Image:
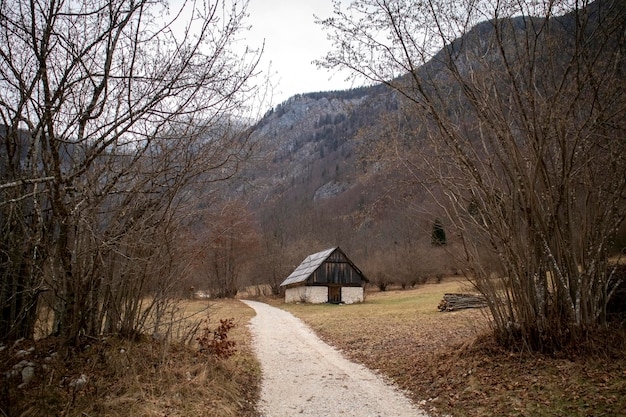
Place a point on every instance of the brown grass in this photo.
(446, 361)
(449, 364)
(137, 378)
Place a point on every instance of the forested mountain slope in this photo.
(341, 167)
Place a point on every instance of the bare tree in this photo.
(274, 263)
(112, 111)
(226, 245)
(518, 137)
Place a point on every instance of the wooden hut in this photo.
(325, 277)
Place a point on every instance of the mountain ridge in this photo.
(319, 173)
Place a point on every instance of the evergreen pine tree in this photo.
(438, 236)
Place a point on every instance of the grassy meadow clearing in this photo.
(448, 363)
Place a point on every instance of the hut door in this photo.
(334, 295)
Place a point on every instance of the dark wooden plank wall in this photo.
(336, 270)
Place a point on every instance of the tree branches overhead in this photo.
(515, 110)
(114, 114)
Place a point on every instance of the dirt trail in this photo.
(304, 376)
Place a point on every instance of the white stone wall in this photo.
(319, 295)
(350, 295)
(314, 295)
(294, 295)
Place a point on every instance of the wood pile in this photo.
(452, 302)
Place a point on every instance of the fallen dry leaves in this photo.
(448, 363)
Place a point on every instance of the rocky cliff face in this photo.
(306, 144)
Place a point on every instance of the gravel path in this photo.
(304, 376)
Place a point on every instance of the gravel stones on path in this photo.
(304, 376)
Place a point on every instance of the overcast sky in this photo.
(292, 41)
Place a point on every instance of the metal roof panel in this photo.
(307, 267)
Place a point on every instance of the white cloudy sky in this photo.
(292, 41)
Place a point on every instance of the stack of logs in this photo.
(452, 302)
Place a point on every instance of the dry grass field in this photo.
(137, 378)
(449, 365)
(445, 361)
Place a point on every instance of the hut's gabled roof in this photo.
(307, 267)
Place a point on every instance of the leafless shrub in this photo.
(108, 132)
(511, 121)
